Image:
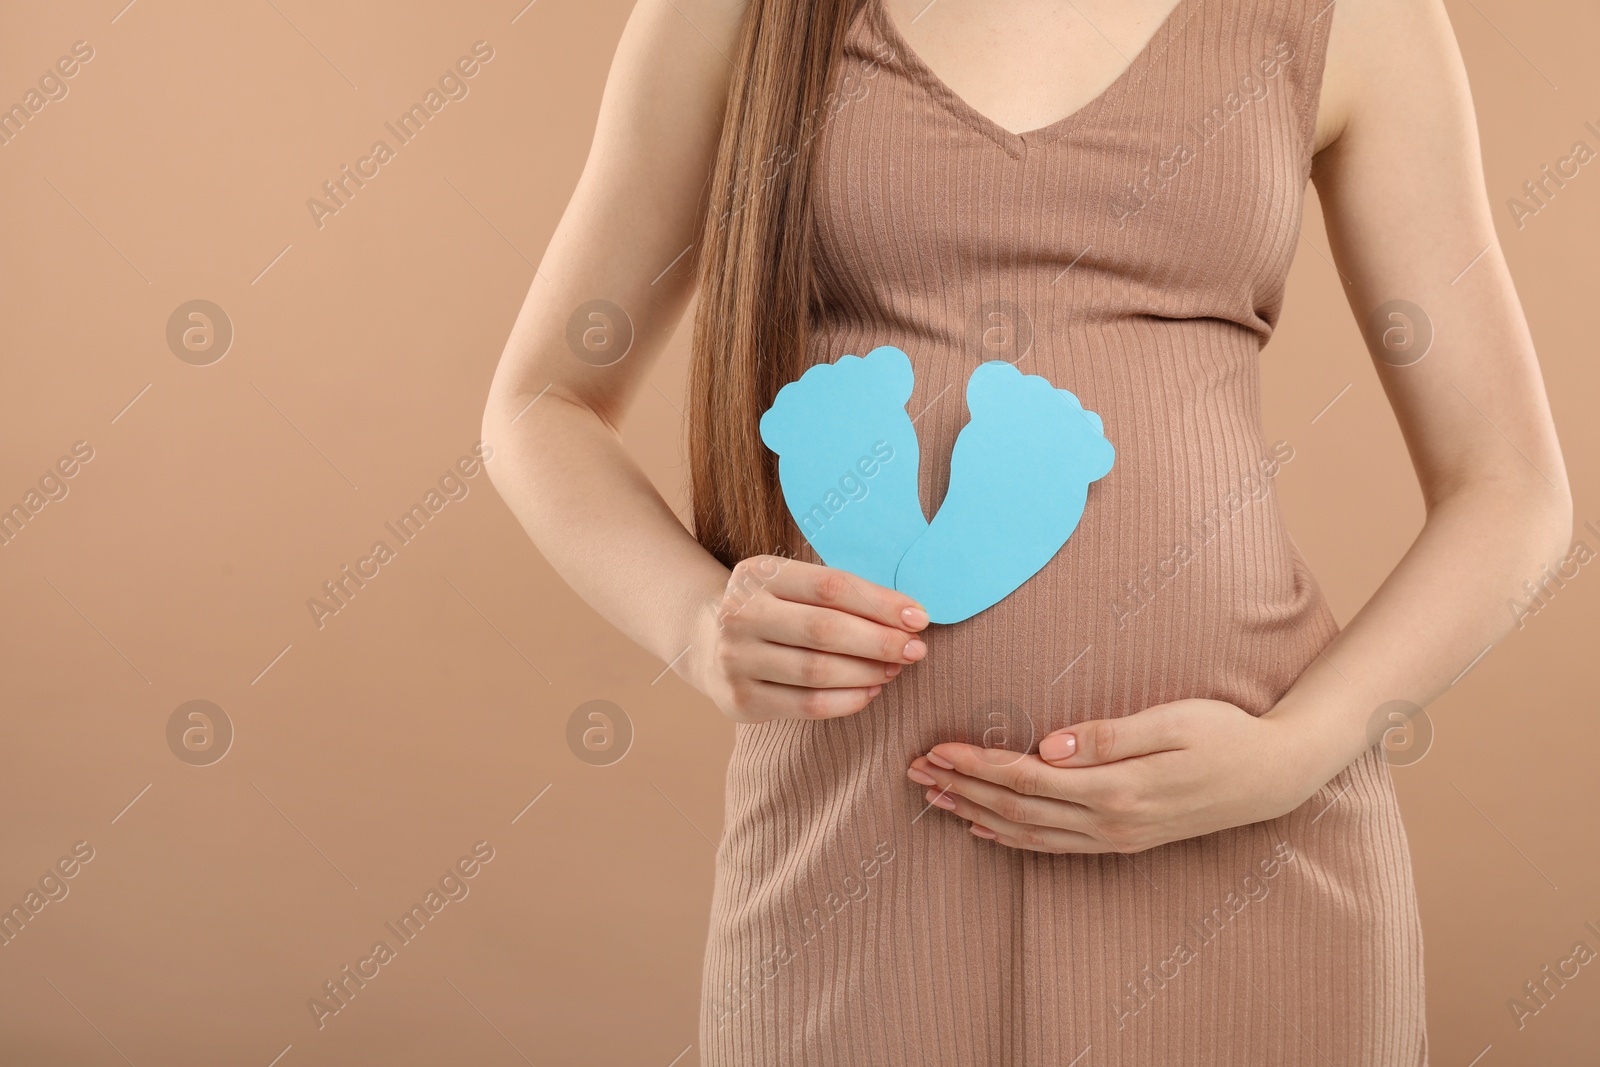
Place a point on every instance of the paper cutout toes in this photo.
(1019, 479)
(847, 461)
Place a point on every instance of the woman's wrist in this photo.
(698, 638)
(1318, 740)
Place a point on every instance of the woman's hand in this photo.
(794, 640)
(1167, 773)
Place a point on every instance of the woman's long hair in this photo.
(756, 285)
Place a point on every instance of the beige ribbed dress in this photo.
(1134, 252)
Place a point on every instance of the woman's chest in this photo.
(1027, 63)
(1191, 163)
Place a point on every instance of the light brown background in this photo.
(429, 713)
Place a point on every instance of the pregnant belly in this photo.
(1180, 581)
(1218, 605)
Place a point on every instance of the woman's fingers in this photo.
(795, 640)
(1019, 809)
(807, 626)
(770, 662)
(829, 587)
(773, 700)
(1043, 804)
(1098, 788)
(1011, 832)
(1107, 740)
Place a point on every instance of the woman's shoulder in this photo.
(1376, 48)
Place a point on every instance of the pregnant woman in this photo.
(1133, 812)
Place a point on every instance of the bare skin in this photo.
(1400, 181)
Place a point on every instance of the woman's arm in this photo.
(553, 418)
(1408, 218)
(787, 638)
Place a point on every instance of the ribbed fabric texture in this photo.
(1135, 253)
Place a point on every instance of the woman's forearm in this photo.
(599, 521)
(1443, 606)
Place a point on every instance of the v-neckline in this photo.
(1016, 144)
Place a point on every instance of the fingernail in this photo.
(874, 691)
(1057, 747)
(915, 618)
(914, 650)
(984, 832)
(921, 777)
(892, 669)
(940, 761)
(940, 800)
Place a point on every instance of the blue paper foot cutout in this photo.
(1019, 479)
(847, 461)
